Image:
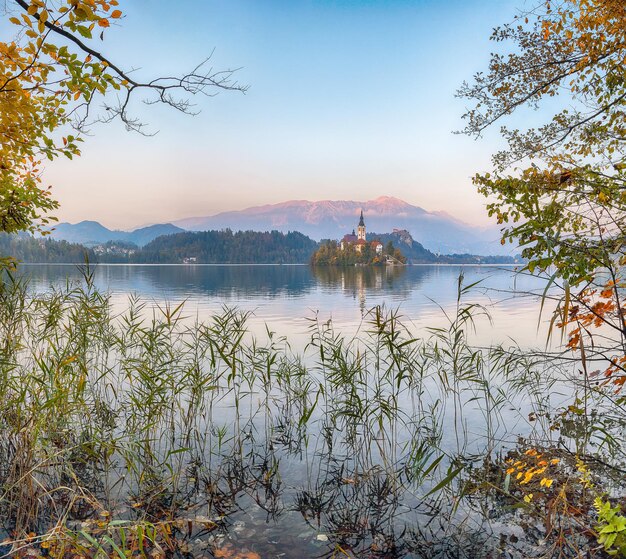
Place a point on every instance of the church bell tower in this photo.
(361, 229)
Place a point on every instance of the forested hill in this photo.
(209, 247)
(416, 253)
(214, 247)
(25, 248)
(227, 247)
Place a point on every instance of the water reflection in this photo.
(284, 296)
(356, 447)
(226, 282)
(249, 282)
(359, 282)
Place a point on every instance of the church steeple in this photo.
(361, 229)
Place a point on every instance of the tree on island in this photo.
(394, 253)
(51, 75)
(330, 253)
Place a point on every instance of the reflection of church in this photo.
(360, 239)
(364, 284)
(358, 281)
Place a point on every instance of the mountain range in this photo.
(437, 231)
(92, 233)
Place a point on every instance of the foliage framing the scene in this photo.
(51, 75)
(559, 187)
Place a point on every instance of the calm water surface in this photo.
(287, 297)
(279, 491)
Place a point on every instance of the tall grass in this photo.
(149, 432)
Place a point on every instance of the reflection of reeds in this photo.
(148, 431)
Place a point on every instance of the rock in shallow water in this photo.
(321, 538)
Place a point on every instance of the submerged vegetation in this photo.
(147, 433)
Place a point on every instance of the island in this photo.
(355, 250)
(235, 247)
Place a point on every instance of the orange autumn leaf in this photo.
(229, 552)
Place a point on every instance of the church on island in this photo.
(360, 239)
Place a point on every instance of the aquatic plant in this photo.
(141, 430)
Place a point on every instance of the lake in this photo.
(284, 297)
(350, 441)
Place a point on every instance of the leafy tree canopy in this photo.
(559, 188)
(51, 74)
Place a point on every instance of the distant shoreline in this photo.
(136, 265)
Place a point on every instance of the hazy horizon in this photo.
(348, 100)
(285, 202)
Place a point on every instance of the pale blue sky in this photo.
(347, 100)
